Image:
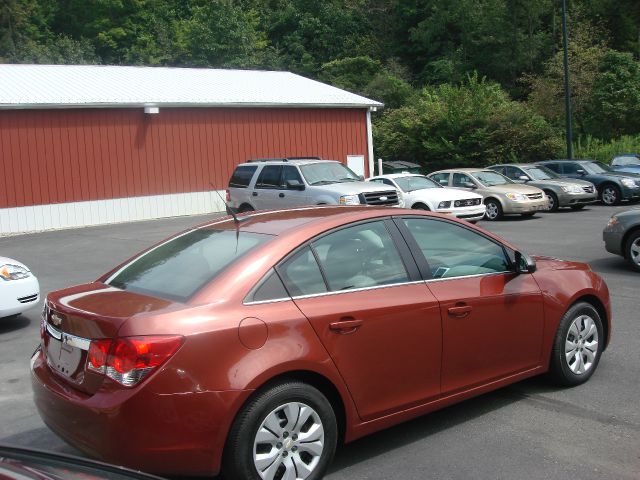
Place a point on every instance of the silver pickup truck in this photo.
(271, 184)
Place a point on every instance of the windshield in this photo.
(626, 160)
(540, 173)
(411, 183)
(178, 268)
(490, 179)
(323, 173)
(595, 167)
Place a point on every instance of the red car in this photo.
(253, 346)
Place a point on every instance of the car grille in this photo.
(379, 198)
(468, 202)
(28, 298)
(534, 196)
(589, 189)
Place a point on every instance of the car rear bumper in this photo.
(146, 428)
(16, 296)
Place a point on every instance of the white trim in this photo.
(370, 144)
(39, 218)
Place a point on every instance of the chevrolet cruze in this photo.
(255, 345)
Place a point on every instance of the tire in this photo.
(581, 330)
(278, 444)
(553, 201)
(610, 194)
(245, 208)
(420, 206)
(632, 250)
(496, 210)
(577, 207)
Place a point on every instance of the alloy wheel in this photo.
(552, 202)
(634, 251)
(492, 211)
(609, 196)
(289, 443)
(581, 344)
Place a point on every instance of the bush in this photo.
(604, 150)
(471, 124)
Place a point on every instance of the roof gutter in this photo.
(42, 106)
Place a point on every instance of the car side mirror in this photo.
(524, 263)
(524, 178)
(470, 185)
(295, 185)
(581, 172)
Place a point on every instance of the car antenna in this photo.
(229, 209)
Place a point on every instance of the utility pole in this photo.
(567, 87)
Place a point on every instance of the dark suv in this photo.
(613, 187)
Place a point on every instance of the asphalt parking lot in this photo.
(528, 430)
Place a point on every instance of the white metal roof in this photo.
(66, 86)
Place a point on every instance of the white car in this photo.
(19, 288)
(418, 191)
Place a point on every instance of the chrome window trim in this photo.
(263, 302)
(362, 289)
(68, 339)
(468, 276)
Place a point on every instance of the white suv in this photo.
(290, 182)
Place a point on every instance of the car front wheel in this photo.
(286, 432)
(610, 195)
(494, 210)
(632, 250)
(553, 201)
(577, 346)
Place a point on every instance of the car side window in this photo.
(269, 288)
(360, 256)
(554, 167)
(570, 168)
(290, 173)
(301, 274)
(513, 173)
(452, 250)
(499, 170)
(242, 175)
(269, 177)
(441, 178)
(461, 180)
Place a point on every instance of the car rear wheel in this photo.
(632, 250)
(245, 208)
(286, 432)
(577, 346)
(610, 195)
(553, 201)
(494, 210)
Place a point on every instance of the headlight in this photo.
(349, 200)
(446, 204)
(13, 272)
(629, 183)
(516, 197)
(572, 188)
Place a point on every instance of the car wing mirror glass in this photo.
(524, 263)
(295, 185)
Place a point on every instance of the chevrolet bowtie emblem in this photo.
(56, 319)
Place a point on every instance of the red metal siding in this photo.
(60, 156)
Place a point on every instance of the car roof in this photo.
(285, 161)
(521, 165)
(398, 175)
(464, 170)
(565, 160)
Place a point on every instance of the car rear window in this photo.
(178, 268)
(241, 178)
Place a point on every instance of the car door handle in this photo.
(345, 326)
(281, 195)
(460, 311)
(255, 194)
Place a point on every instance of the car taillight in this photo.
(98, 354)
(128, 360)
(228, 195)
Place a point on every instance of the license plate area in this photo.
(65, 353)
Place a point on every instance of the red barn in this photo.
(88, 145)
